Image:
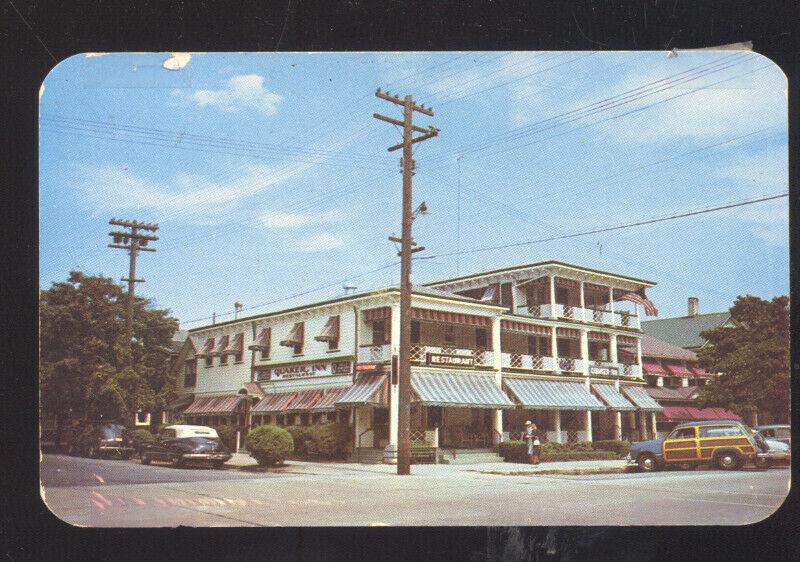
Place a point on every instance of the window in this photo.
(142, 418)
(190, 372)
(298, 349)
(720, 431)
(415, 331)
(449, 334)
(481, 338)
(209, 360)
(262, 375)
(562, 295)
(566, 348)
(683, 433)
(264, 354)
(238, 357)
(223, 359)
(532, 345)
(379, 332)
(333, 345)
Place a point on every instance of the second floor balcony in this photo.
(622, 318)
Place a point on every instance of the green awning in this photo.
(643, 401)
(612, 398)
(552, 395)
(468, 390)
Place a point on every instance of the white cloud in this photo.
(291, 220)
(243, 91)
(317, 243)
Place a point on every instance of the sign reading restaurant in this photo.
(447, 359)
(303, 370)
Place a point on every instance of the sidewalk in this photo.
(241, 460)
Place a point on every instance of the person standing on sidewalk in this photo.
(534, 442)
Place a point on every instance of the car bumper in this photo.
(630, 461)
(109, 449)
(780, 456)
(211, 457)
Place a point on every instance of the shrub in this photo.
(517, 451)
(139, 437)
(303, 440)
(580, 456)
(328, 440)
(619, 447)
(269, 444)
(227, 434)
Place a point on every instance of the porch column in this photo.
(552, 296)
(618, 425)
(639, 355)
(583, 302)
(643, 424)
(612, 348)
(513, 297)
(554, 346)
(588, 425)
(585, 351)
(390, 452)
(653, 424)
(631, 421)
(611, 304)
(497, 421)
(557, 425)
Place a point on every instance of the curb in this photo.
(556, 471)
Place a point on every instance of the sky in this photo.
(272, 186)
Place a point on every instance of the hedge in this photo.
(619, 447)
(139, 437)
(269, 444)
(517, 451)
(326, 440)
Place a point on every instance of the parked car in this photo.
(779, 452)
(778, 432)
(184, 444)
(726, 444)
(100, 439)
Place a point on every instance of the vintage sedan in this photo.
(777, 432)
(185, 444)
(100, 439)
(724, 443)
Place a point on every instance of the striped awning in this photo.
(263, 341)
(273, 403)
(599, 336)
(689, 413)
(679, 370)
(236, 345)
(381, 313)
(570, 333)
(612, 398)
(207, 349)
(643, 401)
(328, 401)
(367, 390)
(458, 390)
(653, 368)
(525, 328)
(429, 315)
(295, 337)
(215, 405)
(331, 330)
(252, 388)
(552, 395)
(223, 343)
(700, 372)
(304, 401)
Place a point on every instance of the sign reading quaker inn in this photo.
(308, 370)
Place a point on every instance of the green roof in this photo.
(684, 331)
(542, 263)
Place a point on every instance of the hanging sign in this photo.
(450, 360)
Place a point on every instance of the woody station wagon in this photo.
(726, 444)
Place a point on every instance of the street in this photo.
(102, 493)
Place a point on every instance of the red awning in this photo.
(207, 349)
(679, 370)
(272, 403)
(253, 389)
(215, 405)
(304, 400)
(428, 315)
(525, 328)
(700, 372)
(328, 401)
(570, 333)
(719, 414)
(223, 343)
(599, 336)
(295, 337)
(263, 341)
(236, 345)
(690, 413)
(331, 330)
(653, 368)
(381, 313)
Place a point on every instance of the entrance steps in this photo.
(469, 456)
(367, 455)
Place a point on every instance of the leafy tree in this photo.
(753, 356)
(87, 370)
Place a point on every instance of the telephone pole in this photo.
(133, 241)
(407, 162)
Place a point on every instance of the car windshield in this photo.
(111, 431)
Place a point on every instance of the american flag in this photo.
(639, 298)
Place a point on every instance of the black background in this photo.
(36, 35)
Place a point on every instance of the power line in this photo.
(612, 228)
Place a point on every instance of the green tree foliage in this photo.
(87, 371)
(753, 356)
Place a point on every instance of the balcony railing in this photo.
(570, 364)
(529, 362)
(572, 312)
(632, 370)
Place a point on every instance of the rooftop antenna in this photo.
(237, 308)
(349, 288)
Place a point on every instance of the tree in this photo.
(87, 370)
(753, 357)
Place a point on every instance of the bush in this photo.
(269, 444)
(139, 437)
(304, 444)
(227, 434)
(327, 440)
(517, 451)
(619, 447)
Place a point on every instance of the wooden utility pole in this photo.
(407, 161)
(134, 242)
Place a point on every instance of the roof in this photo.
(665, 393)
(684, 331)
(660, 349)
(538, 264)
(707, 422)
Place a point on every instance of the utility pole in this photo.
(407, 162)
(134, 242)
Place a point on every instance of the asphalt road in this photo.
(129, 494)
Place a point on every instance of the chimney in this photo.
(694, 306)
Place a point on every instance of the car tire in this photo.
(177, 461)
(647, 462)
(144, 459)
(728, 460)
(763, 463)
(217, 465)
